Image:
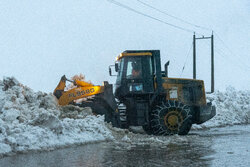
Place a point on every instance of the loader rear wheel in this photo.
(171, 117)
(148, 129)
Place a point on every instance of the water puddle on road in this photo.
(226, 146)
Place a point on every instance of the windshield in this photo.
(134, 68)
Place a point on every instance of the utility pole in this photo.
(212, 58)
(212, 63)
(194, 57)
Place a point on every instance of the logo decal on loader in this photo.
(83, 92)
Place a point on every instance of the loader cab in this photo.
(136, 73)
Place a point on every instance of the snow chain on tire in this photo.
(171, 117)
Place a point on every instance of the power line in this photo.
(231, 52)
(225, 58)
(195, 25)
(228, 59)
(169, 24)
(231, 61)
(149, 16)
(186, 59)
(239, 64)
(177, 18)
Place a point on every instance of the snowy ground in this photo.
(33, 121)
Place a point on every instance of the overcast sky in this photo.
(42, 40)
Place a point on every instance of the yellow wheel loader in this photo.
(144, 96)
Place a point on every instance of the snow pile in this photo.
(232, 107)
(33, 121)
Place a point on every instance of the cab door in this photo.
(138, 74)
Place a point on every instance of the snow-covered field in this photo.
(33, 121)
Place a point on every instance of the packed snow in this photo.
(232, 107)
(33, 121)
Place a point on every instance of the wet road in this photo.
(228, 146)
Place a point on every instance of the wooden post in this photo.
(212, 63)
(194, 57)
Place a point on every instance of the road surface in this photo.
(227, 146)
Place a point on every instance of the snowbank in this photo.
(232, 107)
(33, 121)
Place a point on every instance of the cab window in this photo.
(134, 68)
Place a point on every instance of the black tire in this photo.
(108, 117)
(148, 129)
(115, 120)
(171, 117)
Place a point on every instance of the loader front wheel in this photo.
(148, 129)
(171, 117)
(115, 120)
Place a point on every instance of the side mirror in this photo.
(110, 70)
(110, 73)
(116, 67)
